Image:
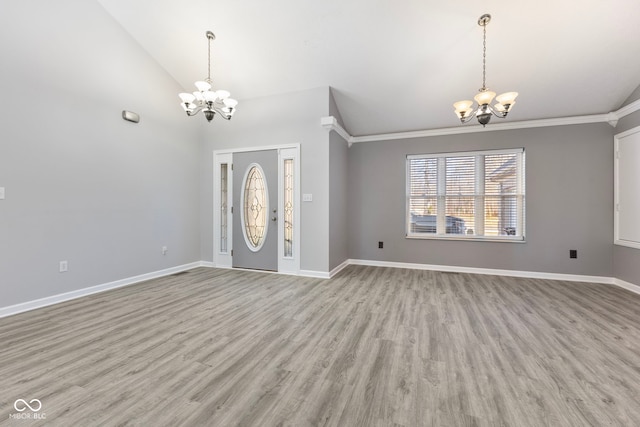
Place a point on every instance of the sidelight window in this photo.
(224, 217)
(288, 207)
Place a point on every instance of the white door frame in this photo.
(223, 258)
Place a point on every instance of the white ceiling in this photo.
(399, 65)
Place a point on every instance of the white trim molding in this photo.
(55, 299)
(489, 271)
(624, 170)
(626, 285)
(458, 130)
(315, 274)
(222, 256)
(289, 264)
(497, 272)
(286, 265)
(339, 268)
(627, 109)
(331, 124)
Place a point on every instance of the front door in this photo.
(255, 207)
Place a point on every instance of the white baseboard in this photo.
(626, 285)
(339, 268)
(491, 271)
(316, 274)
(54, 299)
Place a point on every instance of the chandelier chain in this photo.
(484, 56)
(209, 61)
(483, 110)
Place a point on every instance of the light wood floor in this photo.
(371, 347)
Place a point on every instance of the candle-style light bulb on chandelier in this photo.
(206, 100)
(484, 110)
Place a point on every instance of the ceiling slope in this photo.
(399, 66)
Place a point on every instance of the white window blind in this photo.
(475, 195)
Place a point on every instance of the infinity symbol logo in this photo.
(21, 405)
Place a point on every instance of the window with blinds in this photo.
(476, 195)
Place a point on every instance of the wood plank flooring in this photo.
(370, 347)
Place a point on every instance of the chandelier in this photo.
(484, 110)
(206, 100)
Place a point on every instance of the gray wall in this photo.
(292, 118)
(626, 261)
(83, 185)
(569, 181)
(338, 203)
(333, 108)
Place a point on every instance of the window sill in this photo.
(502, 239)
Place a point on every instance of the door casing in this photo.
(224, 258)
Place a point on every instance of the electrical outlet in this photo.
(64, 266)
(380, 245)
(164, 250)
(573, 253)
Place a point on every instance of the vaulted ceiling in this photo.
(399, 66)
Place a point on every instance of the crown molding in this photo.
(628, 109)
(331, 124)
(562, 121)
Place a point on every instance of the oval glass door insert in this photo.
(255, 207)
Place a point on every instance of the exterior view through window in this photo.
(476, 195)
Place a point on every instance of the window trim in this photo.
(520, 236)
